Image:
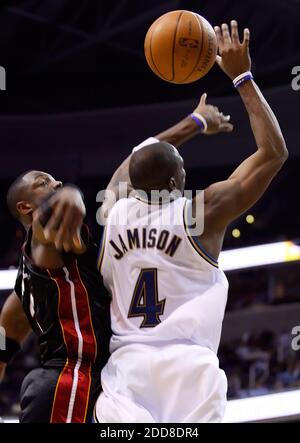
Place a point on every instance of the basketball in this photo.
(180, 47)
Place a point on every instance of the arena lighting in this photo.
(253, 256)
(7, 279)
(250, 219)
(230, 260)
(271, 407)
(236, 233)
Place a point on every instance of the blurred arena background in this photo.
(79, 97)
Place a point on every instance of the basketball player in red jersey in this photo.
(61, 297)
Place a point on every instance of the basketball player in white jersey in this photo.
(168, 293)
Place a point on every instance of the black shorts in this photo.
(59, 395)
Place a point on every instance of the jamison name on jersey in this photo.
(146, 239)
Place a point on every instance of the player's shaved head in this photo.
(156, 167)
(27, 191)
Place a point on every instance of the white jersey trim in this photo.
(194, 241)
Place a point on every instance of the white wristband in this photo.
(202, 120)
(241, 78)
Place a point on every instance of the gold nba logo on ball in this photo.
(2, 339)
(190, 42)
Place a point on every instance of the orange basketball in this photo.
(180, 46)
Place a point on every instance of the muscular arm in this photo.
(249, 181)
(225, 201)
(177, 135)
(14, 322)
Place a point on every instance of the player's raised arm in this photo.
(205, 119)
(15, 324)
(227, 200)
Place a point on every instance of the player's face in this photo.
(39, 185)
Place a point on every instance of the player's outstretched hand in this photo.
(234, 57)
(67, 215)
(216, 120)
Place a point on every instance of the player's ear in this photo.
(24, 208)
(172, 184)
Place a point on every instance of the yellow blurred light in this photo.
(250, 219)
(236, 233)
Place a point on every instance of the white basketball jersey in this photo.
(165, 287)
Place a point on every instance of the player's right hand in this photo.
(2, 370)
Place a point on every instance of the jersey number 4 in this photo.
(145, 301)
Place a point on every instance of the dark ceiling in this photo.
(66, 55)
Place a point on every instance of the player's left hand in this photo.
(234, 58)
(216, 120)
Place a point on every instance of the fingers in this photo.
(226, 35)
(225, 118)
(77, 241)
(67, 231)
(63, 235)
(235, 32)
(226, 38)
(219, 36)
(226, 127)
(246, 37)
(54, 221)
(203, 99)
(219, 60)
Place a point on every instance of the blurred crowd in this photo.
(26, 360)
(264, 286)
(260, 364)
